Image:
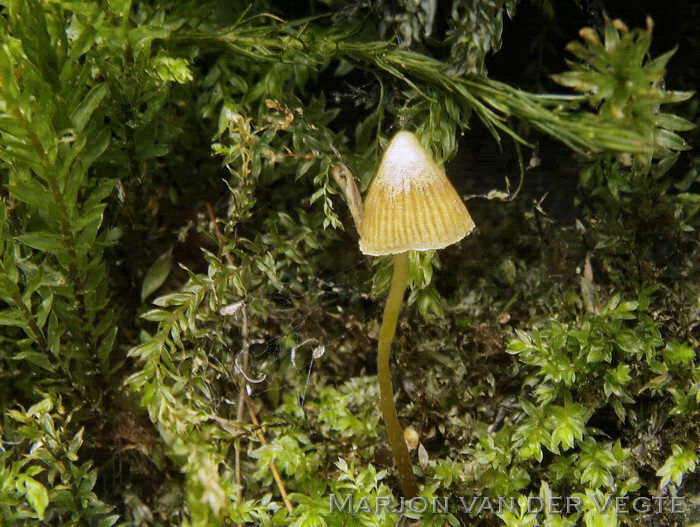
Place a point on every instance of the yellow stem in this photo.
(386, 392)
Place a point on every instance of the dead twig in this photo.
(242, 388)
(273, 468)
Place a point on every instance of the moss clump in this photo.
(189, 329)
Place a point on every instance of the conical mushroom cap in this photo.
(411, 205)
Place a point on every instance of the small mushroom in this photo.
(410, 206)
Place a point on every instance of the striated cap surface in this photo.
(411, 205)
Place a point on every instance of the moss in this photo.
(188, 326)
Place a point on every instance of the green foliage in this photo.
(682, 461)
(50, 483)
(625, 86)
(476, 30)
(613, 355)
(188, 326)
(53, 276)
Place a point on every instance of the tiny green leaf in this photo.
(35, 492)
(156, 275)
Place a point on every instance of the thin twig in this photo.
(242, 394)
(241, 399)
(273, 468)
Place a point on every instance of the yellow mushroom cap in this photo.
(411, 205)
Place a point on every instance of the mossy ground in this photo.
(187, 313)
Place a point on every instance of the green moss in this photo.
(185, 311)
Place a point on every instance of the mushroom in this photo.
(410, 206)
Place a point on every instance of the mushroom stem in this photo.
(386, 393)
